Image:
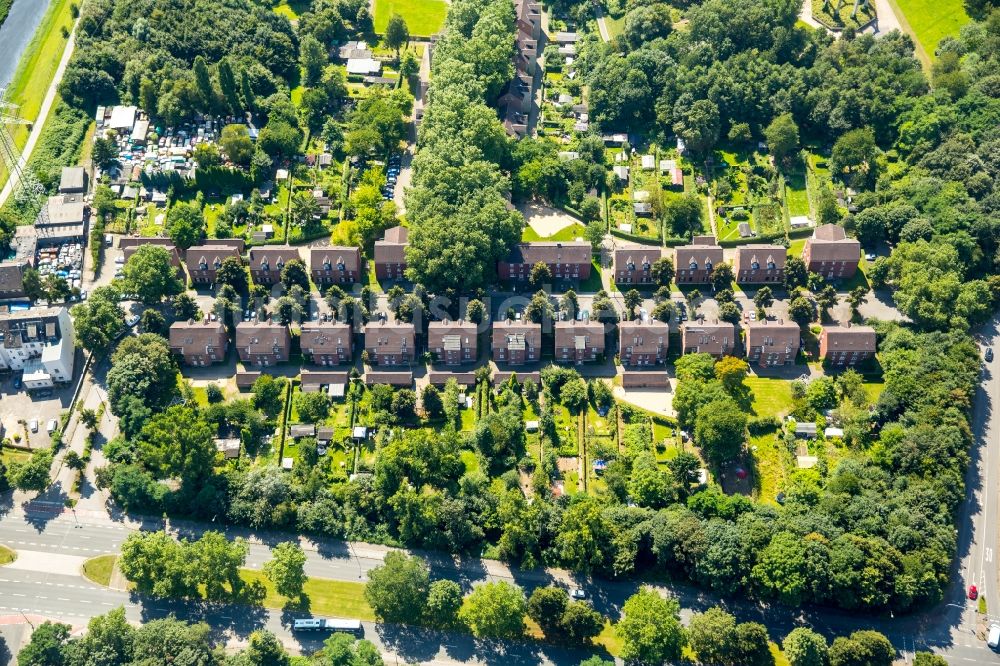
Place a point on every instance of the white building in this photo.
(39, 342)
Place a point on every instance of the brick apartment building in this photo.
(643, 343)
(567, 261)
(263, 343)
(335, 264)
(266, 262)
(390, 343)
(760, 264)
(718, 339)
(633, 263)
(517, 342)
(128, 247)
(199, 343)
(831, 253)
(694, 263)
(203, 261)
(771, 343)
(579, 341)
(326, 342)
(453, 342)
(390, 254)
(847, 345)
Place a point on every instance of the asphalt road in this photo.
(36, 529)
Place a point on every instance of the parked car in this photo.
(973, 592)
(33, 425)
(869, 256)
(993, 636)
(578, 594)
(52, 426)
(753, 315)
(989, 354)
(17, 383)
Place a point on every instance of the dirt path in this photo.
(43, 113)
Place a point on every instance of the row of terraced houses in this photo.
(829, 252)
(392, 344)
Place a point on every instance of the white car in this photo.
(993, 636)
(753, 315)
(869, 256)
(33, 425)
(578, 594)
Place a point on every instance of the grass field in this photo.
(323, 597)
(771, 397)
(37, 67)
(423, 17)
(98, 569)
(6, 555)
(570, 233)
(930, 21)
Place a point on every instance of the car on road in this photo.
(973, 592)
(132, 321)
(993, 636)
(753, 315)
(989, 354)
(578, 594)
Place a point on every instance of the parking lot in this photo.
(17, 405)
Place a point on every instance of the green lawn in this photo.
(36, 68)
(874, 389)
(930, 21)
(796, 246)
(570, 233)
(770, 457)
(98, 569)
(329, 598)
(291, 9)
(796, 195)
(423, 17)
(7, 555)
(771, 397)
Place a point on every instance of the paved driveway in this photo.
(545, 220)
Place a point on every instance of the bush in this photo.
(761, 425)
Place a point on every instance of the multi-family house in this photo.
(390, 343)
(199, 343)
(335, 264)
(567, 261)
(40, 343)
(204, 261)
(760, 264)
(326, 342)
(718, 339)
(847, 345)
(263, 343)
(643, 343)
(128, 247)
(453, 342)
(266, 262)
(771, 343)
(634, 263)
(517, 342)
(390, 254)
(579, 341)
(694, 263)
(831, 253)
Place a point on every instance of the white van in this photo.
(993, 636)
(52, 426)
(33, 425)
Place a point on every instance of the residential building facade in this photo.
(830, 253)
(567, 261)
(579, 341)
(199, 343)
(390, 254)
(128, 247)
(643, 343)
(40, 342)
(204, 261)
(335, 265)
(390, 343)
(327, 342)
(847, 345)
(266, 262)
(760, 264)
(453, 342)
(718, 339)
(694, 263)
(517, 342)
(634, 263)
(263, 343)
(771, 343)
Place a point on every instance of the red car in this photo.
(973, 592)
